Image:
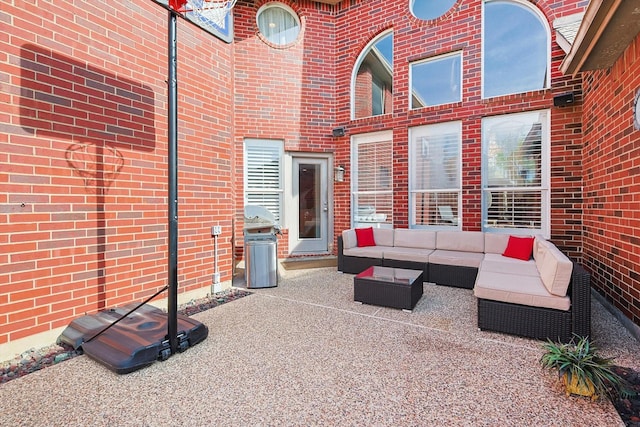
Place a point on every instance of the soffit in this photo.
(567, 29)
(608, 27)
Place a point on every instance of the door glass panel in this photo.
(309, 205)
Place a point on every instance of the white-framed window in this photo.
(435, 176)
(430, 9)
(372, 78)
(263, 181)
(516, 173)
(278, 24)
(516, 48)
(436, 81)
(372, 179)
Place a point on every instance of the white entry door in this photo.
(310, 205)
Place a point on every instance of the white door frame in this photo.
(324, 244)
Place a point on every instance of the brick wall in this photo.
(359, 22)
(284, 93)
(611, 167)
(87, 80)
(83, 158)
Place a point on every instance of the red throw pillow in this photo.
(364, 236)
(519, 247)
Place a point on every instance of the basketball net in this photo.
(206, 12)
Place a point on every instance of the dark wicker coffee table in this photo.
(388, 287)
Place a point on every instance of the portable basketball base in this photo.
(135, 336)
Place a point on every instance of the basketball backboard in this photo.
(215, 19)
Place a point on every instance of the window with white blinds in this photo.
(435, 175)
(262, 174)
(515, 173)
(372, 183)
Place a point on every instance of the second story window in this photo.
(278, 24)
(372, 81)
(516, 48)
(436, 81)
(430, 9)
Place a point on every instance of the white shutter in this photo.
(263, 180)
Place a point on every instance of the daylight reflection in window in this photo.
(516, 49)
(373, 81)
(430, 9)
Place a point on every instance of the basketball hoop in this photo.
(207, 13)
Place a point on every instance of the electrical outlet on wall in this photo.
(216, 230)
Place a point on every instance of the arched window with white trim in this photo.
(372, 79)
(516, 48)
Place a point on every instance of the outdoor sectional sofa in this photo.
(543, 296)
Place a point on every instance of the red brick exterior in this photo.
(460, 29)
(611, 167)
(79, 74)
(283, 93)
(92, 76)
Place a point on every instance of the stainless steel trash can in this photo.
(261, 247)
(261, 260)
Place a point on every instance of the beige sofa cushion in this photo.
(407, 254)
(464, 241)
(555, 268)
(495, 243)
(411, 238)
(539, 249)
(349, 239)
(517, 289)
(457, 258)
(502, 264)
(366, 251)
(383, 236)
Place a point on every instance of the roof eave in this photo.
(607, 29)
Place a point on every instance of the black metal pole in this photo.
(172, 305)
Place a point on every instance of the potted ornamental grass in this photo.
(583, 371)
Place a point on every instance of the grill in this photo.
(261, 247)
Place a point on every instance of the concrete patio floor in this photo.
(304, 353)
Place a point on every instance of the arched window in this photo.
(516, 48)
(372, 80)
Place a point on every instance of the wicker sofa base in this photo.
(538, 322)
(523, 320)
(453, 275)
(356, 264)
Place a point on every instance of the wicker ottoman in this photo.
(388, 287)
